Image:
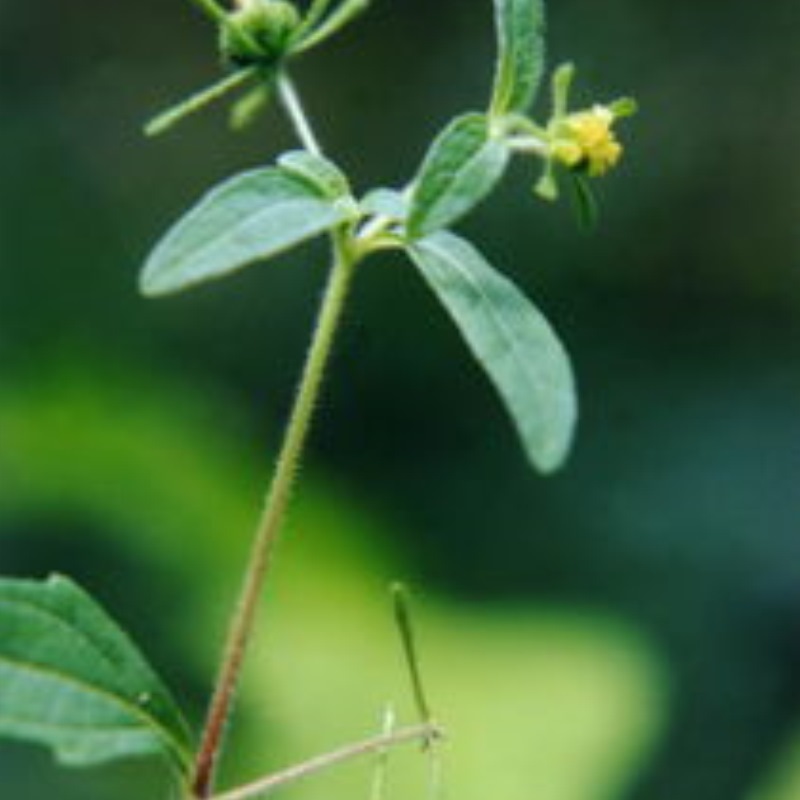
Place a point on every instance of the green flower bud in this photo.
(258, 32)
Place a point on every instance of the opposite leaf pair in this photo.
(264, 212)
(259, 214)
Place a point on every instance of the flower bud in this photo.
(258, 32)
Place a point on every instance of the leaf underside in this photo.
(511, 340)
(72, 680)
(463, 165)
(248, 218)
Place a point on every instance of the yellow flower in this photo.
(585, 138)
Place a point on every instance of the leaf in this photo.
(197, 102)
(624, 107)
(520, 63)
(560, 89)
(246, 109)
(585, 201)
(318, 171)
(72, 680)
(250, 217)
(512, 341)
(385, 203)
(547, 185)
(339, 18)
(462, 166)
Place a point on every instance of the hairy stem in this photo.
(243, 619)
(376, 744)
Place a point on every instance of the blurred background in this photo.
(626, 630)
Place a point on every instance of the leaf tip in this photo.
(552, 464)
(151, 286)
(547, 461)
(400, 599)
(57, 580)
(153, 128)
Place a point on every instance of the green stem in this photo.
(291, 102)
(243, 620)
(378, 789)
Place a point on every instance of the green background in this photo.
(627, 629)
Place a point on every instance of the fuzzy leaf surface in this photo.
(248, 218)
(463, 165)
(511, 340)
(71, 679)
(521, 52)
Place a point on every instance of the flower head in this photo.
(258, 31)
(586, 139)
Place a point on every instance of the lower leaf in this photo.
(72, 680)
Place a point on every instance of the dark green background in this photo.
(678, 512)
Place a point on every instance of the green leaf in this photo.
(520, 62)
(385, 203)
(72, 680)
(318, 171)
(560, 88)
(624, 107)
(547, 185)
(197, 102)
(213, 10)
(246, 109)
(512, 341)
(463, 165)
(339, 18)
(585, 201)
(248, 218)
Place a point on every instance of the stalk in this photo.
(297, 116)
(243, 620)
(375, 744)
